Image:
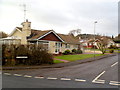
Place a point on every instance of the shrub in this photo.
(74, 50)
(113, 47)
(3, 54)
(36, 55)
(8, 55)
(66, 52)
(79, 52)
(111, 51)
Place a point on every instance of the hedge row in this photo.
(73, 51)
(36, 55)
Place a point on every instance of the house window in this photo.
(57, 44)
(61, 44)
(45, 44)
(57, 47)
(57, 50)
(67, 45)
(75, 46)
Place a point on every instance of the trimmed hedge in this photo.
(74, 51)
(111, 51)
(79, 52)
(66, 52)
(36, 55)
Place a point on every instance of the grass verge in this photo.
(77, 57)
(57, 61)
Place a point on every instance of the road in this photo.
(97, 74)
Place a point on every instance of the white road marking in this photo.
(114, 64)
(67, 79)
(17, 75)
(114, 82)
(52, 78)
(99, 81)
(39, 77)
(80, 80)
(27, 76)
(7, 73)
(98, 76)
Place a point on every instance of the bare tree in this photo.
(75, 32)
(102, 45)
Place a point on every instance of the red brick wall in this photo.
(51, 37)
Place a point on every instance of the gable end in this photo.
(50, 37)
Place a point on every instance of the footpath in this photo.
(59, 65)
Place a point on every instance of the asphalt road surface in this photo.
(97, 74)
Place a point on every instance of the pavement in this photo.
(59, 64)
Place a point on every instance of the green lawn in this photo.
(57, 61)
(77, 57)
(92, 49)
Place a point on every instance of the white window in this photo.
(67, 45)
(57, 47)
(45, 44)
(75, 46)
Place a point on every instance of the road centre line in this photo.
(17, 74)
(67, 79)
(39, 77)
(52, 78)
(114, 64)
(27, 76)
(113, 83)
(80, 80)
(94, 80)
(7, 73)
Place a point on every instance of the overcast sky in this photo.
(61, 15)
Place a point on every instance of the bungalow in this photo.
(117, 43)
(53, 41)
(90, 43)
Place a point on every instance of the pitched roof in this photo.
(19, 28)
(69, 39)
(35, 34)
